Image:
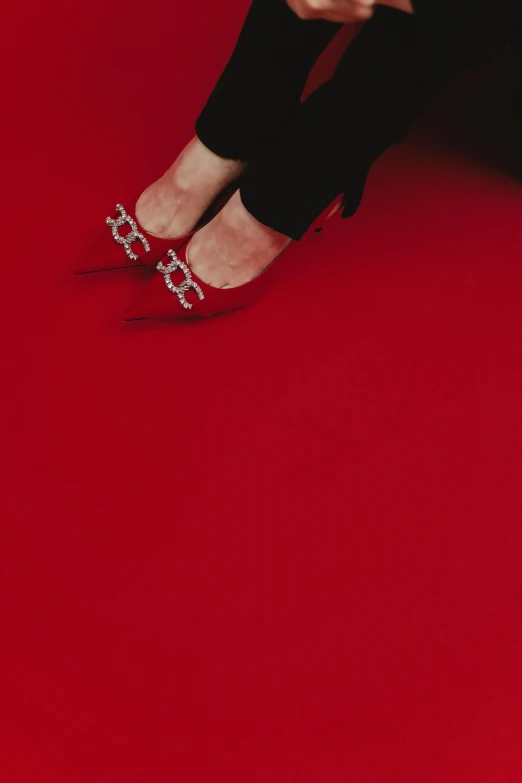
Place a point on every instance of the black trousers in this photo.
(304, 154)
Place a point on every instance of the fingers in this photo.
(343, 11)
(362, 9)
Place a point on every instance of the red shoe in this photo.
(190, 297)
(138, 247)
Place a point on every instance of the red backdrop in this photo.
(281, 546)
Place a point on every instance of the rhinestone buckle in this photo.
(134, 234)
(188, 283)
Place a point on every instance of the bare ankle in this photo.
(198, 164)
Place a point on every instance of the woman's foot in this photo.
(234, 247)
(173, 205)
(208, 275)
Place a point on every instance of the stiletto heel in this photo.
(320, 222)
(177, 292)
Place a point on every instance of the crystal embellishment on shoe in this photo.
(134, 234)
(188, 283)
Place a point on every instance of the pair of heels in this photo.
(173, 291)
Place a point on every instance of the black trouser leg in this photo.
(260, 88)
(377, 92)
(306, 154)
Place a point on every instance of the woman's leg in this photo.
(380, 87)
(385, 80)
(260, 89)
(326, 149)
(257, 94)
(377, 92)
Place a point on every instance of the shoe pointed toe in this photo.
(103, 255)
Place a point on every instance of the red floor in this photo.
(281, 546)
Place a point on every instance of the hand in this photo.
(344, 11)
